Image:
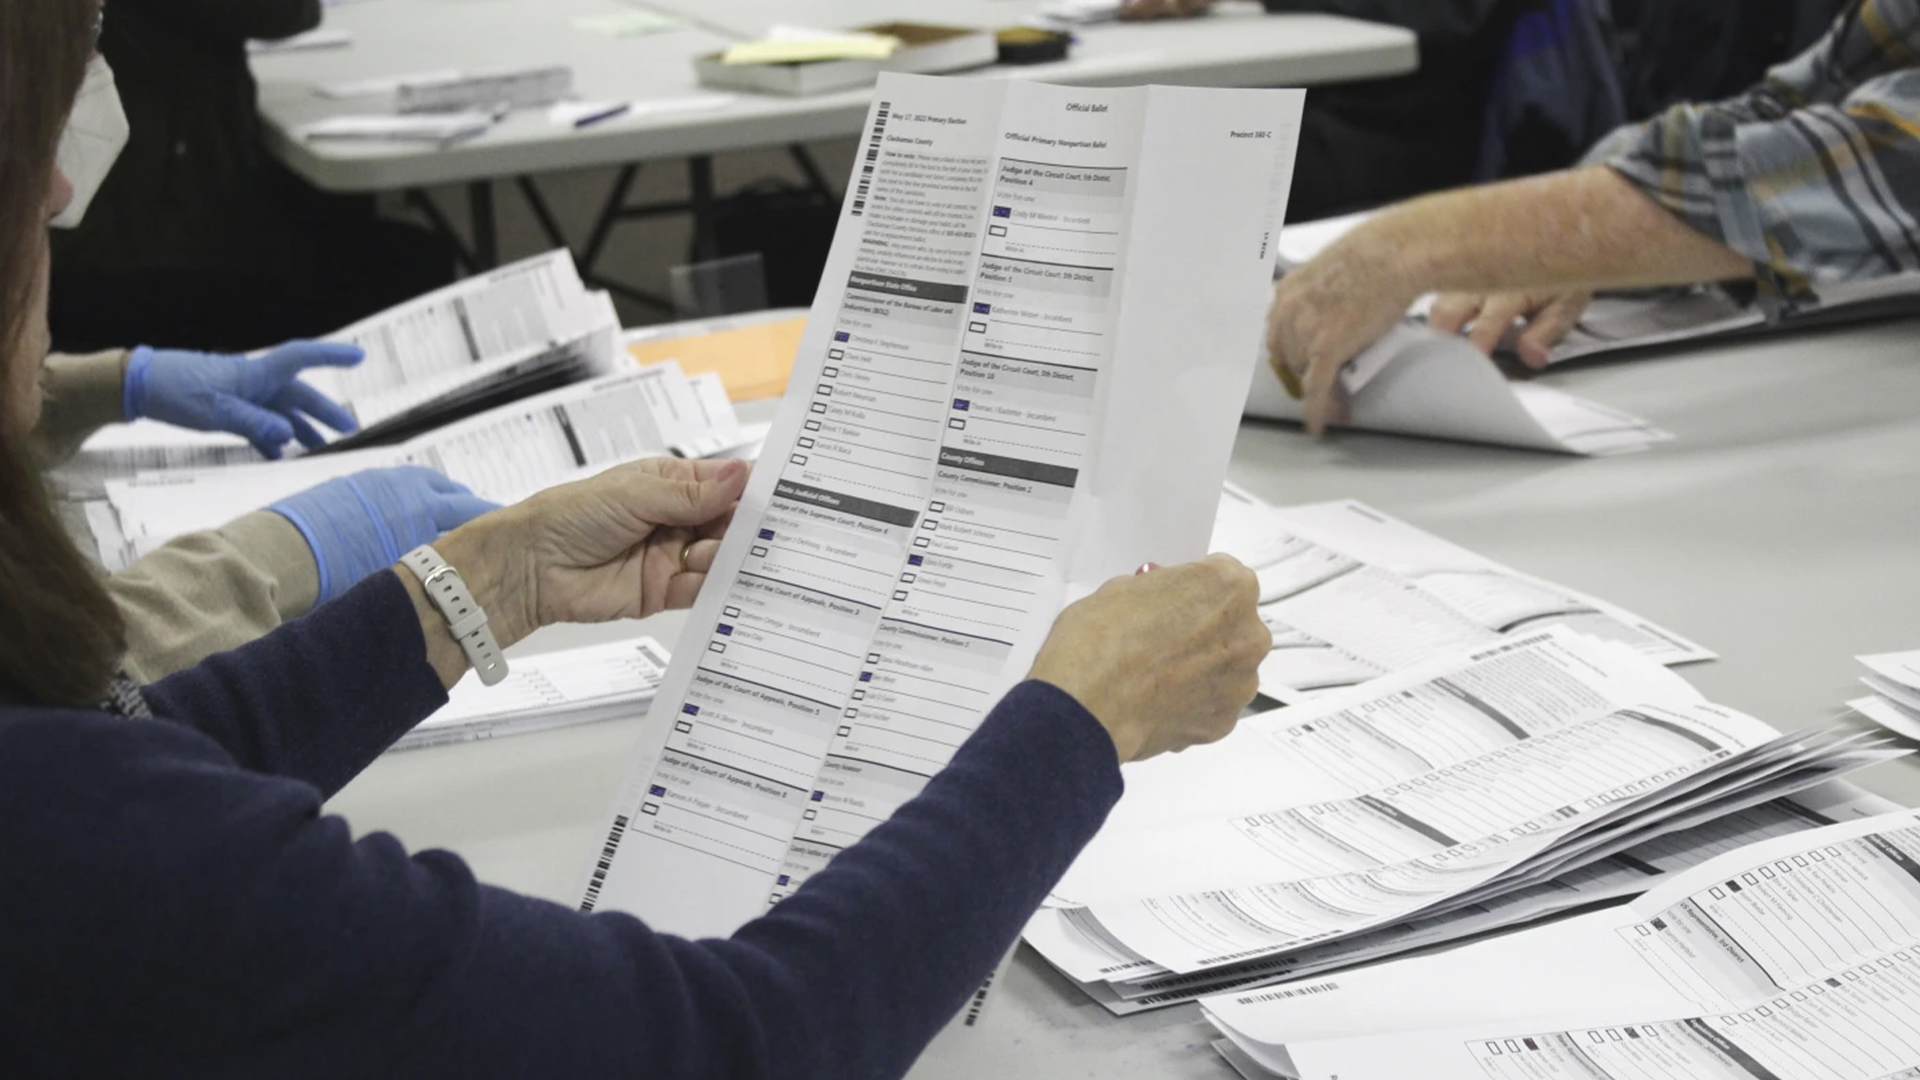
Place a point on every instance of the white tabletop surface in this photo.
(1779, 529)
(1239, 46)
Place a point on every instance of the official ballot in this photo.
(1021, 376)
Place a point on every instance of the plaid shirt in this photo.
(1814, 174)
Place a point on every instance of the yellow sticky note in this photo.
(752, 361)
(809, 49)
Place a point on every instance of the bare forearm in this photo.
(1580, 229)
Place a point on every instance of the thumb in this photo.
(267, 430)
(675, 501)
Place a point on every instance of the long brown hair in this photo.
(60, 634)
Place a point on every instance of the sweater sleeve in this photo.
(237, 19)
(319, 698)
(208, 592)
(221, 926)
(82, 396)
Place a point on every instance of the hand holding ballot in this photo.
(1164, 660)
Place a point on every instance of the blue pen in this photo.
(606, 114)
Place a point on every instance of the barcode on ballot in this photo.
(604, 864)
(873, 157)
(1290, 992)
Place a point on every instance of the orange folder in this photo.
(752, 361)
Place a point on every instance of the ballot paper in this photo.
(1415, 381)
(559, 689)
(1794, 957)
(1417, 796)
(1017, 381)
(488, 338)
(1125, 984)
(1351, 594)
(504, 454)
(1894, 704)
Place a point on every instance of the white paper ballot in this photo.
(1019, 379)
(559, 689)
(1788, 958)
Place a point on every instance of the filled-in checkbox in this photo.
(798, 459)
(828, 373)
(977, 327)
(956, 423)
(806, 443)
(996, 230)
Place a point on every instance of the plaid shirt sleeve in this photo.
(1814, 174)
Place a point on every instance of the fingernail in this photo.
(1145, 567)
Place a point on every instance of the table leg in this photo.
(706, 246)
(486, 240)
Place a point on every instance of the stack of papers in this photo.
(1352, 594)
(1894, 704)
(1313, 836)
(1791, 958)
(504, 454)
(487, 339)
(560, 689)
(450, 127)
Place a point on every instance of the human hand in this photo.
(261, 400)
(1164, 660)
(631, 542)
(1323, 314)
(1162, 9)
(1485, 318)
(363, 523)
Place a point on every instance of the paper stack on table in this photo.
(559, 689)
(1792, 958)
(1312, 836)
(1894, 704)
(504, 454)
(1352, 594)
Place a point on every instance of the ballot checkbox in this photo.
(730, 612)
(819, 406)
(716, 646)
(866, 676)
(936, 507)
(921, 541)
(930, 524)
(842, 336)
(845, 730)
(759, 551)
(811, 814)
(996, 230)
(683, 728)
(806, 443)
(900, 594)
(873, 658)
(650, 808)
(823, 390)
(859, 695)
(907, 578)
(798, 459)
(977, 327)
(829, 373)
(916, 560)
(982, 309)
(776, 898)
(852, 714)
(956, 423)
(836, 354)
(812, 425)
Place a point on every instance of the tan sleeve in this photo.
(208, 592)
(83, 395)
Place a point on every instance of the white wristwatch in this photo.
(465, 621)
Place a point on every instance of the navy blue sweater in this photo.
(175, 903)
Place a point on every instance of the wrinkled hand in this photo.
(260, 400)
(1164, 660)
(631, 542)
(1486, 319)
(359, 524)
(1323, 315)
(1162, 9)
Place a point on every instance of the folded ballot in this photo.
(1795, 957)
(1352, 594)
(1894, 704)
(482, 341)
(504, 454)
(558, 689)
(1412, 807)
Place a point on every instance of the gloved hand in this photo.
(360, 524)
(259, 399)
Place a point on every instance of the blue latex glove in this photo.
(261, 400)
(360, 524)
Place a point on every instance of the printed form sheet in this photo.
(1020, 378)
(1787, 959)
